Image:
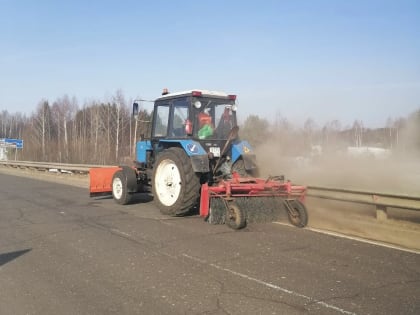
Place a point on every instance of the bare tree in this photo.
(42, 126)
(120, 104)
(255, 129)
(309, 128)
(358, 133)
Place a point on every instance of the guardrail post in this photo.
(381, 212)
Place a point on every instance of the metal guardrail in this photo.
(47, 166)
(381, 201)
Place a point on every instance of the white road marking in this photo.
(355, 238)
(120, 232)
(269, 285)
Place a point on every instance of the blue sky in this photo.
(323, 60)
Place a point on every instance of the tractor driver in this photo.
(205, 125)
(225, 124)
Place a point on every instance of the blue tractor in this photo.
(193, 143)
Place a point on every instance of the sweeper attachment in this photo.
(193, 157)
(238, 201)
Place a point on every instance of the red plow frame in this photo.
(249, 187)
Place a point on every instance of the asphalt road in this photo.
(64, 253)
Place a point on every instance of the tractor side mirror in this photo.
(135, 109)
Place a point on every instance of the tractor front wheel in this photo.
(175, 185)
(119, 188)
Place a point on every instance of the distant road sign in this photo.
(17, 143)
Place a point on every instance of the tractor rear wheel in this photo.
(239, 167)
(175, 185)
(119, 188)
(298, 215)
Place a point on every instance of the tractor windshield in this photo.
(214, 119)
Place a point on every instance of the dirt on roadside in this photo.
(398, 175)
(402, 228)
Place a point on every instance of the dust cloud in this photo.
(396, 175)
(397, 172)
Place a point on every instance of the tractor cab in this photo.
(199, 115)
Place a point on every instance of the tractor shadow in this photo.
(144, 198)
(8, 257)
(141, 198)
(147, 197)
(136, 198)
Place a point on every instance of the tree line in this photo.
(105, 132)
(97, 133)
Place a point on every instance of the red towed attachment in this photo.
(101, 180)
(237, 188)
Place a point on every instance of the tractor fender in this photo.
(131, 177)
(142, 147)
(199, 158)
(243, 149)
